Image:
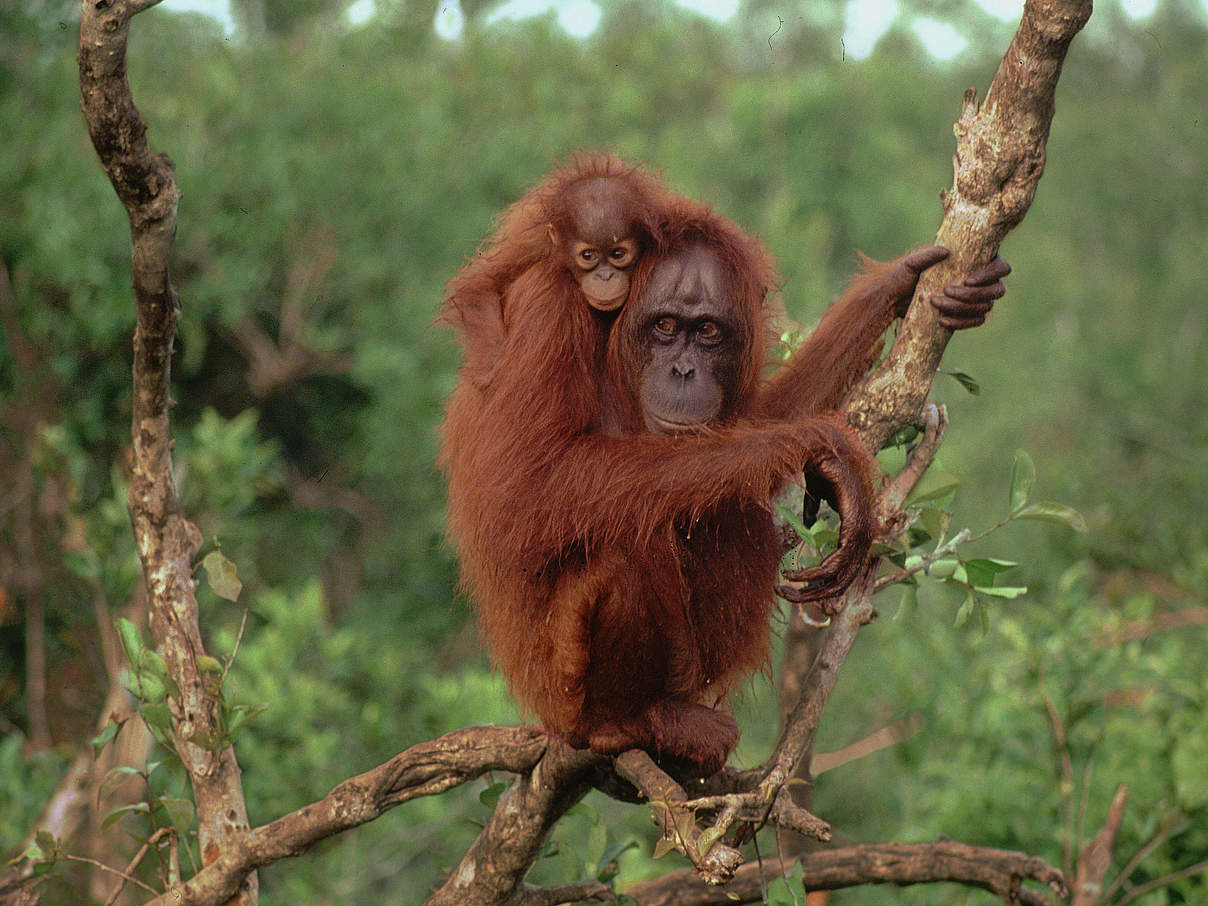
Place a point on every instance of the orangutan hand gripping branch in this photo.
(612, 466)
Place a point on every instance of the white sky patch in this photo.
(864, 23)
(1006, 10)
(218, 9)
(450, 20)
(361, 12)
(517, 10)
(718, 10)
(1139, 9)
(579, 18)
(941, 40)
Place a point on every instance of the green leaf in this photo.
(793, 520)
(158, 718)
(909, 604)
(615, 850)
(222, 575)
(597, 841)
(933, 486)
(607, 866)
(901, 437)
(180, 813)
(1023, 476)
(114, 778)
(208, 664)
(708, 837)
(106, 736)
(1006, 591)
(153, 689)
(663, 846)
(132, 642)
(685, 824)
(241, 714)
(931, 520)
(130, 682)
(47, 843)
(583, 810)
(210, 740)
(982, 570)
(969, 383)
(943, 568)
(1190, 779)
(137, 808)
(1058, 513)
(966, 609)
(785, 892)
(490, 796)
(570, 863)
(153, 663)
(85, 565)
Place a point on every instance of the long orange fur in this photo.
(624, 580)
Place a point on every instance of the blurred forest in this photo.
(335, 176)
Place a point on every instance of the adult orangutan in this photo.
(610, 481)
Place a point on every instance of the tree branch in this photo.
(1000, 155)
(425, 769)
(1096, 857)
(167, 542)
(999, 871)
(494, 867)
(998, 163)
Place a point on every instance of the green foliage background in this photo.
(388, 151)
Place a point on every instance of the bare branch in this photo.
(493, 869)
(999, 871)
(797, 736)
(934, 423)
(1172, 825)
(167, 542)
(714, 861)
(425, 769)
(1164, 881)
(1096, 856)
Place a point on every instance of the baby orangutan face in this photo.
(599, 239)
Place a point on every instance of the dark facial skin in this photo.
(601, 242)
(684, 322)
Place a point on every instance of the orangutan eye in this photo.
(623, 255)
(665, 328)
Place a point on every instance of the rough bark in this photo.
(998, 162)
(995, 870)
(426, 769)
(999, 159)
(167, 542)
